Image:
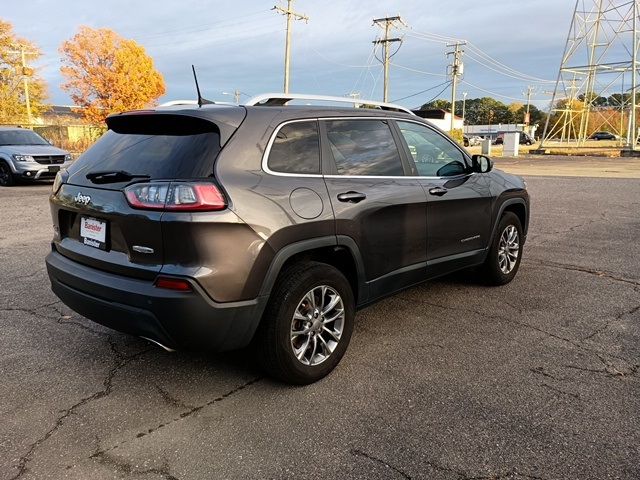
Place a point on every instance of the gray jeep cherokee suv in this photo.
(223, 226)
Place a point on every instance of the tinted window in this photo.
(21, 137)
(363, 147)
(296, 149)
(434, 155)
(167, 148)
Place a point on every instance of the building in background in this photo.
(485, 131)
(441, 119)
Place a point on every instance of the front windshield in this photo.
(21, 137)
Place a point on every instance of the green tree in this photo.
(13, 103)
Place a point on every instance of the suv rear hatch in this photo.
(149, 153)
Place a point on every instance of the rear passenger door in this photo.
(458, 201)
(374, 202)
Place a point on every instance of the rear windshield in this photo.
(160, 146)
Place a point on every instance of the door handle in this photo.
(438, 191)
(351, 197)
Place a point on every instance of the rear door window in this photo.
(296, 149)
(364, 147)
(160, 146)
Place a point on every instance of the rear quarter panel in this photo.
(263, 201)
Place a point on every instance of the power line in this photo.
(202, 27)
(424, 91)
(220, 35)
(437, 38)
(490, 92)
(501, 72)
(508, 69)
(418, 71)
(439, 93)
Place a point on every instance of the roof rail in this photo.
(280, 99)
(176, 103)
(173, 103)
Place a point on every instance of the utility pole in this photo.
(25, 72)
(386, 24)
(528, 94)
(464, 108)
(291, 15)
(457, 70)
(25, 83)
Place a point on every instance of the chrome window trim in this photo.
(267, 150)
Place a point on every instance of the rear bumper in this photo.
(177, 320)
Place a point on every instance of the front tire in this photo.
(6, 176)
(503, 260)
(307, 325)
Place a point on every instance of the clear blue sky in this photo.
(240, 44)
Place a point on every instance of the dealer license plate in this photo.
(93, 232)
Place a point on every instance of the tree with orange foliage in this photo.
(13, 103)
(106, 73)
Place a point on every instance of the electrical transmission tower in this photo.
(291, 15)
(596, 85)
(386, 24)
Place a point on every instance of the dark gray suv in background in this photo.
(271, 224)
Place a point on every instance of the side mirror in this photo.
(481, 164)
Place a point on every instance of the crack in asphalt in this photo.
(128, 469)
(578, 268)
(187, 413)
(562, 392)
(32, 311)
(121, 361)
(62, 319)
(170, 400)
(540, 371)
(609, 322)
(461, 475)
(360, 453)
(609, 367)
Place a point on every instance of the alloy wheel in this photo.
(508, 249)
(317, 325)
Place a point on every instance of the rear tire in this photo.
(6, 176)
(306, 297)
(503, 260)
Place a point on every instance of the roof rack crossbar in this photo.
(280, 99)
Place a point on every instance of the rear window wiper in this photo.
(113, 176)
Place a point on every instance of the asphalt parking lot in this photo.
(450, 380)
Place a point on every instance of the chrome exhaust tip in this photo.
(170, 350)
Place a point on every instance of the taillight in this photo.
(171, 283)
(176, 196)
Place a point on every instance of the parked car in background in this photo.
(25, 155)
(216, 227)
(472, 140)
(525, 138)
(604, 136)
